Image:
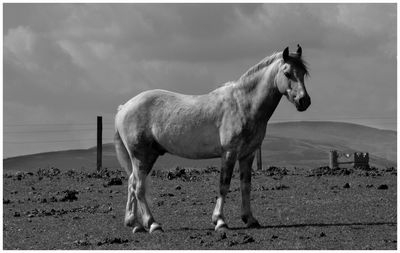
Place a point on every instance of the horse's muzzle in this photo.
(302, 103)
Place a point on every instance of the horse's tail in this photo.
(122, 153)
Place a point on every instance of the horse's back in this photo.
(144, 105)
(184, 125)
(142, 98)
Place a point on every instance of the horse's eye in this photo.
(287, 74)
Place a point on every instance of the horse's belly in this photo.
(199, 142)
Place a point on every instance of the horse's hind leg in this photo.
(131, 214)
(141, 168)
(245, 188)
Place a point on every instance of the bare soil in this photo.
(297, 208)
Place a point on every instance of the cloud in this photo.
(85, 59)
(362, 18)
(19, 40)
(101, 50)
(18, 46)
(75, 54)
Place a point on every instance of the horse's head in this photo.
(290, 79)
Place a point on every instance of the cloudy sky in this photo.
(64, 64)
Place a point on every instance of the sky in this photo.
(65, 64)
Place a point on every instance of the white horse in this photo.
(229, 122)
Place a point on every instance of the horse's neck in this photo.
(261, 95)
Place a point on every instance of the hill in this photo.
(289, 144)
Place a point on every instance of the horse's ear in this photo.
(285, 54)
(299, 50)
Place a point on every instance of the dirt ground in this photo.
(297, 208)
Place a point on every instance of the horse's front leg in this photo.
(228, 163)
(245, 187)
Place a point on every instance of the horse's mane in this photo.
(262, 64)
(298, 62)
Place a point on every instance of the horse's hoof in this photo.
(221, 226)
(155, 228)
(138, 229)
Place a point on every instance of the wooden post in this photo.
(99, 141)
(333, 159)
(258, 155)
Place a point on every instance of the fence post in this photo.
(333, 159)
(259, 163)
(99, 141)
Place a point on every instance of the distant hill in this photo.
(290, 144)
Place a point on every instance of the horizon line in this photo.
(271, 122)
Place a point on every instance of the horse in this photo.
(229, 122)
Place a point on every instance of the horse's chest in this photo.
(244, 136)
(252, 137)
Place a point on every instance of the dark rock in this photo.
(178, 187)
(6, 175)
(322, 234)
(230, 243)
(275, 171)
(82, 242)
(281, 187)
(53, 199)
(383, 187)
(322, 171)
(247, 239)
(17, 214)
(113, 181)
(166, 194)
(115, 240)
(69, 195)
(390, 169)
(48, 172)
(346, 186)
(221, 235)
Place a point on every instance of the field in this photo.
(317, 208)
(57, 200)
